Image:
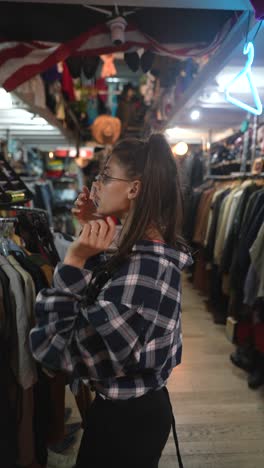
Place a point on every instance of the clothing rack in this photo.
(248, 175)
(39, 218)
(26, 208)
(8, 220)
(236, 175)
(220, 177)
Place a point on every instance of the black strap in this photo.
(174, 432)
(176, 441)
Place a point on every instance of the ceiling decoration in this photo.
(163, 40)
(36, 56)
(60, 23)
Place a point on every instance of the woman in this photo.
(127, 340)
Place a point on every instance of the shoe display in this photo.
(70, 429)
(256, 378)
(239, 359)
(67, 442)
(67, 414)
(56, 460)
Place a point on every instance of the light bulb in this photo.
(195, 114)
(180, 149)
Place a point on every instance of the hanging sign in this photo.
(249, 51)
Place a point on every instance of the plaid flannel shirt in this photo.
(130, 339)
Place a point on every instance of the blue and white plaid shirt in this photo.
(129, 341)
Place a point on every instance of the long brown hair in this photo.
(160, 201)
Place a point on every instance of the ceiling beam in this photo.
(211, 69)
(195, 4)
(46, 114)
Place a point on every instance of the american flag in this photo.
(20, 61)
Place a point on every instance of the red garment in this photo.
(67, 83)
(258, 6)
(54, 174)
(253, 332)
(102, 87)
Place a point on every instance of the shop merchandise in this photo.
(33, 90)
(56, 198)
(12, 188)
(21, 278)
(106, 129)
(62, 242)
(225, 223)
(32, 400)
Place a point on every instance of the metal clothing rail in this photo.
(8, 220)
(25, 208)
(248, 175)
(221, 177)
(236, 175)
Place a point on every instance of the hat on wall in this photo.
(106, 129)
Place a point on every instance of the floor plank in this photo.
(220, 421)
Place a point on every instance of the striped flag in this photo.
(20, 61)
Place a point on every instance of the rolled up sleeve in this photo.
(89, 341)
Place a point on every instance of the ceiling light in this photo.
(51, 155)
(180, 149)
(171, 132)
(215, 97)
(117, 27)
(195, 114)
(72, 153)
(5, 99)
(82, 153)
(37, 120)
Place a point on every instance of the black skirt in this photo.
(126, 433)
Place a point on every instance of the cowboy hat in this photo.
(106, 129)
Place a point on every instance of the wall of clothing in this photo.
(224, 223)
(32, 401)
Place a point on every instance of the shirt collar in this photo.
(180, 258)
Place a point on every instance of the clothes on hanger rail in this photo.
(23, 274)
(225, 223)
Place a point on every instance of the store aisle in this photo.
(220, 422)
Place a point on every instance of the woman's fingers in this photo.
(94, 233)
(81, 200)
(85, 232)
(96, 237)
(84, 209)
(103, 229)
(101, 233)
(86, 191)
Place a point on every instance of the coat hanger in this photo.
(249, 51)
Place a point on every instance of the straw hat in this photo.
(106, 129)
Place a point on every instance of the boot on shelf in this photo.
(244, 357)
(256, 377)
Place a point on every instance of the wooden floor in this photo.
(220, 422)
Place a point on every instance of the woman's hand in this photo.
(84, 209)
(95, 237)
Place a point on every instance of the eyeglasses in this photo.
(104, 178)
